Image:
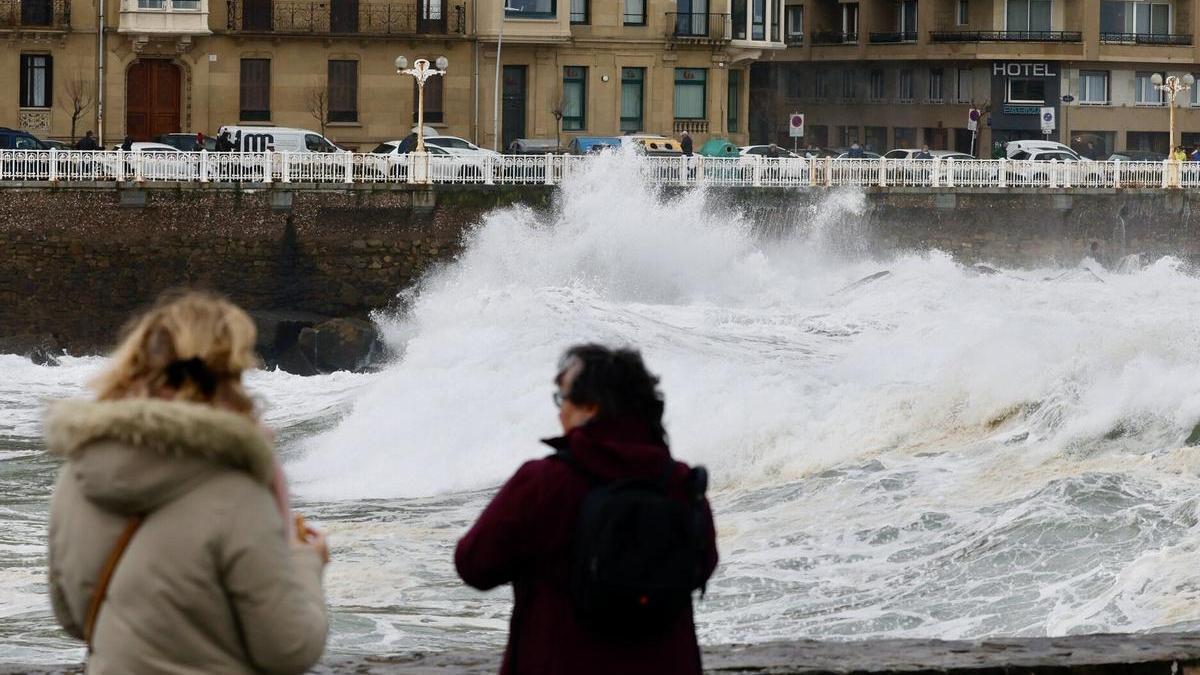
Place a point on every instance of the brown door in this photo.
(343, 16)
(152, 99)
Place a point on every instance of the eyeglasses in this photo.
(558, 399)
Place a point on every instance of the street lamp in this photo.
(1173, 86)
(421, 71)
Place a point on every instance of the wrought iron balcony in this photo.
(698, 27)
(829, 37)
(893, 38)
(1146, 39)
(1005, 36)
(793, 39)
(35, 14)
(346, 17)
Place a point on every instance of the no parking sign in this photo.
(796, 125)
(1047, 116)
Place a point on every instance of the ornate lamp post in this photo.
(422, 72)
(1173, 86)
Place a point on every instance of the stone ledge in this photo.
(1165, 653)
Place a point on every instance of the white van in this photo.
(277, 139)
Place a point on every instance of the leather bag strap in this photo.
(100, 591)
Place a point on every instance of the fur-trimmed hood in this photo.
(134, 455)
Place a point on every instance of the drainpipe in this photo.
(475, 107)
(100, 72)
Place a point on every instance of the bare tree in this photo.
(79, 99)
(557, 110)
(317, 104)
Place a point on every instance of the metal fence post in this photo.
(488, 169)
(412, 167)
(349, 167)
(1166, 164)
(138, 169)
(1117, 174)
(882, 172)
(204, 165)
(828, 172)
(120, 166)
(950, 172)
(756, 171)
(935, 175)
(285, 169)
(1002, 173)
(683, 169)
(812, 171)
(549, 169)
(53, 165)
(266, 167)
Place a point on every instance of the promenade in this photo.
(74, 167)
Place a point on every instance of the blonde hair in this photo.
(203, 335)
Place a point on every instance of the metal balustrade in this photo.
(112, 166)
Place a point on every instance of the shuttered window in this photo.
(343, 91)
(256, 90)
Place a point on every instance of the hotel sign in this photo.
(1021, 109)
(1017, 69)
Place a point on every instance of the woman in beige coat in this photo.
(213, 580)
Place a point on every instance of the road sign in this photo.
(1047, 117)
(796, 125)
(973, 119)
(1068, 98)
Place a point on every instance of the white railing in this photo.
(63, 166)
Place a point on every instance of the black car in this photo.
(15, 139)
(186, 142)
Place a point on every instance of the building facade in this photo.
(902, 74)
(536, 69)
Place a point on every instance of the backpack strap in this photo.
(100, 590)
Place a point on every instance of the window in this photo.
(635, 12)
(574, 106)
(690, 93)
(315, 143)
(848, 85)
(1148, 141)
(795, 83)
(904, 89)
(906, 137)
(434, 114)
(531, 9)
(850, 18)
(631, 98)
(735, 99)
(876, 139)
(1194, 92)
(876, 93)
(1026, 90)
(795, 21)
(36, 80)
(965, 89)
(1144, 92)
(962, 13)
(1028, 15)
(935, 84)
(758, 19)
(1093, 86)
(1141, 18)
(343, 91)
(847, 136)
(821, 85)
(255, 90)
(906, 18)
(580, 11)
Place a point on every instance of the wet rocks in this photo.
(303, 343)
(42, 350)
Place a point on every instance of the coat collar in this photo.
(161, 428)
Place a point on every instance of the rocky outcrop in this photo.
(42, 350)
(303, 343)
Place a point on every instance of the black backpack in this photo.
(637, 554)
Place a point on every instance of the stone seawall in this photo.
(76, 262)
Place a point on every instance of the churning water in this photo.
(932, 452)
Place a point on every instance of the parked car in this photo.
(186, 142)
(589, 145)
(1040, 150)
(1040, 162)
(388, 161)
(866, 154)
(765, 150)
(1137, 156)
(15, 139)
(56, 144)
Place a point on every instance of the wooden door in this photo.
(513, 122)
(152, 99)
(343, 16)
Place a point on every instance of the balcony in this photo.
(346, 17)
(794, 39)
(35, 14)
(829, 37)
(697, 27)
(1176, 39)
(893, 38)
(691, 126)
(1005, 36)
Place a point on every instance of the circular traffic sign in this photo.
(797, 120)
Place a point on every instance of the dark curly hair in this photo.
(617, 382)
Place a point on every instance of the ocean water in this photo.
(938, 451)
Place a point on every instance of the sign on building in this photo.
(1047, 117)
(796, 125)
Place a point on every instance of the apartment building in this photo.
(904, 73)
(561, 67)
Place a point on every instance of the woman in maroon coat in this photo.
(611, 414)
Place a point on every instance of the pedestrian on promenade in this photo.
(856, 151)
(224, 143)
(127, 144)
(198, 145)
(1195, 156)
(1180, 154)
(541, 533)
(924, 153)
(170, 544)
(997, 150)
(685, 143)
(88, 142)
